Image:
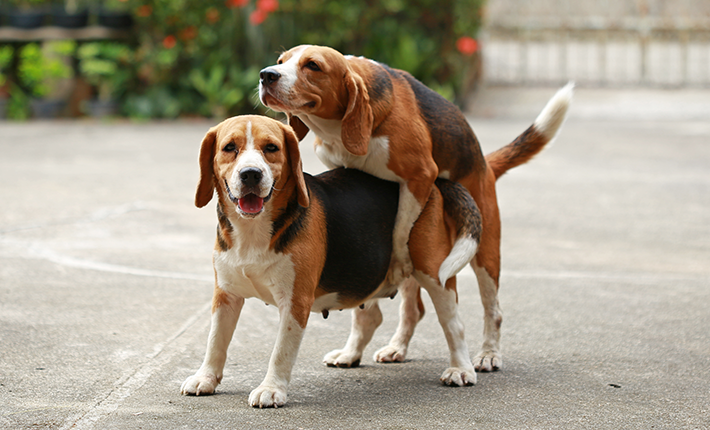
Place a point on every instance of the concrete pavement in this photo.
(106, 278)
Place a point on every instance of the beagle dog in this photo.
(314, 243)
(383, 121)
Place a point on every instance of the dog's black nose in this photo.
(269, 76)
(250, 176)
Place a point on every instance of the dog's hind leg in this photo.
(460, 371)
(489, 359)
(411, 311)
(364, 323)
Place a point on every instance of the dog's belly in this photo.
(360, 214)
(334, 155)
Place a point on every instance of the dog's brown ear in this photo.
(357, 122)
(206, 185)
(294, 158)
(298, 126)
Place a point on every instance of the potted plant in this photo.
(39, 68)
(115, 14)
(72, 14)
(27, 14)
(104, 65)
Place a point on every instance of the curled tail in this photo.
(534, 139)
(460, 206)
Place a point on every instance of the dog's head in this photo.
(319, 81)
(248, 159)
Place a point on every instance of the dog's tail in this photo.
(462, 209)
(534, 139)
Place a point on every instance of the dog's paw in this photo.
(487, 361)
(458, 377)
(390, 354)
(342, 358)
(199, 385)
(267, 396)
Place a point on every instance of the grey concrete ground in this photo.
(105, 283)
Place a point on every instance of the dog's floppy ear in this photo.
(298, 126)
(294, 159)
(206, 185)
(357, 122)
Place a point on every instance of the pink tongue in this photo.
(251, 204)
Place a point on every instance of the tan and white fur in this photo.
(282, 238)
(369, 116)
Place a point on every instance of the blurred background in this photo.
(146, 59)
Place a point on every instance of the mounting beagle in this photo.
(314, 243)
(383, 121)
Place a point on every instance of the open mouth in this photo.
(249, 204)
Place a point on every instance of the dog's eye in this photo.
(271, 148)
(313, 66)
(279, 61)
(230, 147)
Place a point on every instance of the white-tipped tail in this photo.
(461, 254)
(553, 115)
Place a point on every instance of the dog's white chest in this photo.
(253, 271)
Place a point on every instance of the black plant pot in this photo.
(26, 19)
(78, 19)
(115, 19)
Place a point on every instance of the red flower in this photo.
(169, 41)
(212, 15)
(188, 33)
(467, 45)
(144, 11)
(258, 16)
(236, 3)
(267, 6)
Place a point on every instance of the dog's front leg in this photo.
(226, 308)
(272, 391)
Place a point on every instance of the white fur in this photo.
(460, 371)
(326, 302)
(253, 157)
(489, 358)
(409, 316)
(461, 254)
(364, 323)
(553, 114)
(288, 71)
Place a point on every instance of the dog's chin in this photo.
(273, 102)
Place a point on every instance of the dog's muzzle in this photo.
(250, 202)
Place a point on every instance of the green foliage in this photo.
(6, 53)
(106, 65)
(37, 67)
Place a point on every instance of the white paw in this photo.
(390, 354)
(342, 358)
(199, 385)
(265, 396)
(487, 361)
(458, 377)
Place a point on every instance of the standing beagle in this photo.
(315, 243)
(383, 121)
